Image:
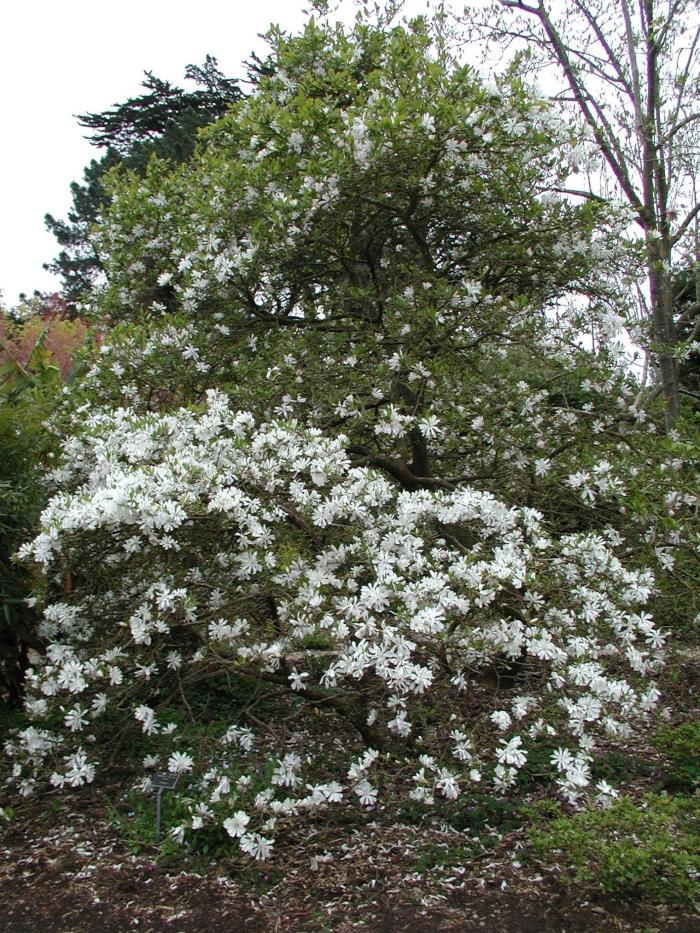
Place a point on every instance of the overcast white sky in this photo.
(63, 58)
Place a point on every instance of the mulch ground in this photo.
(66, 871)
(65, 867)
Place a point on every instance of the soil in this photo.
(65, 867)
(66, 871)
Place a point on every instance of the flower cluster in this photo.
(202, 544)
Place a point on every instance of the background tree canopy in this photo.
(162, 122)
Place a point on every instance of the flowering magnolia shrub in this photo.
(200, 547)
(432, 315)
(349, 514)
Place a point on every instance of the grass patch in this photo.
(443, 856)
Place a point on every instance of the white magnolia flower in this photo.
(297, 679)
(147, 716)
(257, 846)
(180, 763)
(75, 719)
(501, 719)
(511, 753)
(236, 825)
(367, 794)
(562, 759)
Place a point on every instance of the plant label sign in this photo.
(164, 781)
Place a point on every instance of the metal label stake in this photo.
(159, 783)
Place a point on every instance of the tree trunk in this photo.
(663, 328)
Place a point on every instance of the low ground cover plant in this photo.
(647, 849)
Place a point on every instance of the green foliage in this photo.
(162, 122)
(487, 810)
(11, 719)
(444, 856)
(680, 746)
(647, 851)
(30, 389)
(281, 156)
(616, 767)
(687, 306)
(166, 118)
(537, 770)
(480, 811)
(21, 497)
(77, 262)
(135, 817)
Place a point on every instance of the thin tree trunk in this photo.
(664, 332)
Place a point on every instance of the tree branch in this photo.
(689, 218)
(590, 109)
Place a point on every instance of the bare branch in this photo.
(634, 68)
(520, 5)
(682, 82)
(689, 218)
(611, 56)
(590, 109)
(588, 195)
(691, 118)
